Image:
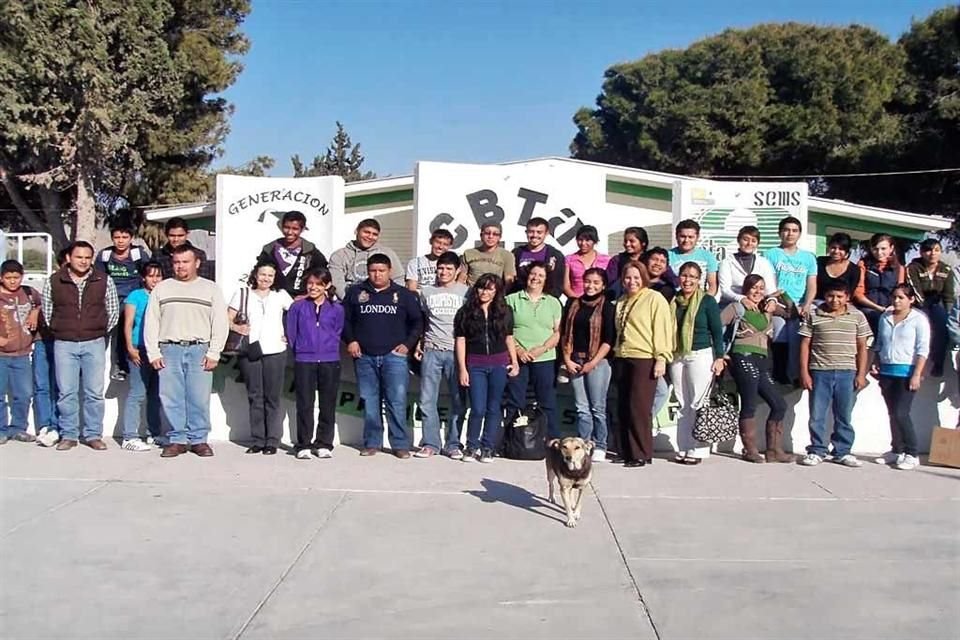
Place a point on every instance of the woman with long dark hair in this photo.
(698, 357)
(751, 369)
(880, 273)
(486, 356)
(836, 265)
(144, 379)
(635, 241)
(644, 347)
(314, 326)
(586, 338)
(902, 345)
(263, 366)
(586, 257)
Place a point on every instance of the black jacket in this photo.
(165, 258)
(294, 281)
(556, 266)
(380, 320)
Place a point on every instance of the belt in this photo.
(184, 343)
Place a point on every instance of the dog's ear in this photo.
(588, 445)
(554, 444)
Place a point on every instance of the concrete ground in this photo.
(127, 545)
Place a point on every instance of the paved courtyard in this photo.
(126, 545)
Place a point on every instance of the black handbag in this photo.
(717, 417)
(237, 343)
(524, 435)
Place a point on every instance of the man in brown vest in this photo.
(82, 307)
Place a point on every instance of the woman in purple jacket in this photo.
(314, 325)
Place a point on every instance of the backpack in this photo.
(524, 435)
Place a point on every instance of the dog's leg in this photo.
(566, 494)
(579, 503)
(550, 476)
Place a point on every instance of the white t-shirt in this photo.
(266, 318)
(423, 271)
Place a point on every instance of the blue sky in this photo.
(469, 81)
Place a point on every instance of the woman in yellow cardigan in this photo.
(645, 337)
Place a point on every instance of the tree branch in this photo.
(13, 190)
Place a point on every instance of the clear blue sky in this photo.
(469, 80)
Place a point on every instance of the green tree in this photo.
(772, 99)
(101, 103)
(343, 158)
(929, 108)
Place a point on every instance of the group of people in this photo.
(489, 326)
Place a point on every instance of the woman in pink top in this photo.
(585, 258)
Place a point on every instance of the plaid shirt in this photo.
(112, 302)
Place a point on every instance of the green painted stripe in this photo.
(823, 220)
(639, 190)
(373, 199)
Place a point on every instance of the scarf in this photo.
(692, 306)
(596, 322)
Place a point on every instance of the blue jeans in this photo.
(44, 386)
(486, 413)
(832, 389)
(76, 361)
(544, 377)
(185, 392)
(590, 396)
(384, 379)
(662, 396)
(16, 380)
(144, 384)
(440, 366)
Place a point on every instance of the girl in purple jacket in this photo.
(314, 325)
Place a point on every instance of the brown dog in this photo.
(568, 460)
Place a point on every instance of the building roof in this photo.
(367, 192)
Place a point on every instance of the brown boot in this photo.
(748, 436)
(775, 452)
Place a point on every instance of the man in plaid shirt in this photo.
(81, 307)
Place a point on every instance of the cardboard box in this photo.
(945, 447)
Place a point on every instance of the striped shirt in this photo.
(833, 339)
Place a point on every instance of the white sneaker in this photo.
(849, 460)
(889, 458)
(303, 454)
(908, 463)
(135, 445)
(811, 460)
(323, 453)
(48, 437)
(598, 455)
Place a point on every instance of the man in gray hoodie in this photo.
(348, 266)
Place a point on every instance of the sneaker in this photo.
(908, 463)
(848, 460)
(889, 458)
(48, 437)
(598, 455)
(23, 436)
(323, 453)
(486, 455)
(425, 452)
(118, 375)
(455, 454)
(811, 460)
(303, 454)
(135, 445)
(471, 455)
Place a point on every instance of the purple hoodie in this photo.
(314, 335)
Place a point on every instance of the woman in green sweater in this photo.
(698, 357)
(750, 367)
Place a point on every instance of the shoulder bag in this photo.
(237, 343)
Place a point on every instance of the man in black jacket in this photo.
(177, 230)
(383, 323)
(294, 256)
(537, 250)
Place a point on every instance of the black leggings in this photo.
(898, 397)
(751, 372)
